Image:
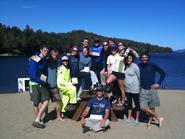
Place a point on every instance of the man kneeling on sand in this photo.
(99, 109)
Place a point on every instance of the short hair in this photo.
(145, 53)
(44, 46)
(55, 50)
(86, 48)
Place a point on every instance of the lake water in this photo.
(13, 68)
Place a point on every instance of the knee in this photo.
(46, 102)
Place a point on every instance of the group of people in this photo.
(63, 78)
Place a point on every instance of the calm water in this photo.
(14, 67)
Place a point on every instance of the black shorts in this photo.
(119, 75)
(54, 94)
(38, 94)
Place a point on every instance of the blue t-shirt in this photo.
(98, 106)
(98, 49)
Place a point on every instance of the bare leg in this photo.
(137, 115)
(111, 79)
(149, 121)
(58, 108)
(42, 110)
(122, 88)
(36, 110)
(129, 114)
(102, 77)
(152, 114)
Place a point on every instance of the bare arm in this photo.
(106, 116)
(84, 114)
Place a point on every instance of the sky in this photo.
(160, 22)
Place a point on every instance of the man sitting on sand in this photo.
(149, 98)
(99, 109)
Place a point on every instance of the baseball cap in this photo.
(64, 58)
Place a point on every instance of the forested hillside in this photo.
(25, 42)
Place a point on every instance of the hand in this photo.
(102, 124)
(82, 121)
(130, 49)
(155, 86)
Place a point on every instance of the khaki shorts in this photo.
(54, 94)
(38, 94)
(149, 98)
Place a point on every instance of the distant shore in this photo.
(10, 54)
(17, 117)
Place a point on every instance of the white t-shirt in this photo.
(111, 61)
(119, 64)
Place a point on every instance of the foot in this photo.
(85, 129)
(105, 128)
(148, 125)
(136, 123)
(160, 121)
(60, 119)
(128, 121)
(120, 104)
(38, 124)
(115, 101)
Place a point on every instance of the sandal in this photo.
(120, 104)
(115, 101)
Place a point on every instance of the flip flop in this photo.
(120, 104)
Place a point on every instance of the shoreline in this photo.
(167, 89)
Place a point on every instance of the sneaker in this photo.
(41, 121)
(136, 123)
(38, 125)
(85, 129)
(128, 121)
(124, 118)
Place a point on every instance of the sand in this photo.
(16, 117)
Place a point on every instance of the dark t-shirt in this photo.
(148, 74)
(98, 106)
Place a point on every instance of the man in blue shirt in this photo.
(53, 63)
(149, 98)
(99, 109)
(97, 53)
(38, 85)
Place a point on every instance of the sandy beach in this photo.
(17, 117)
